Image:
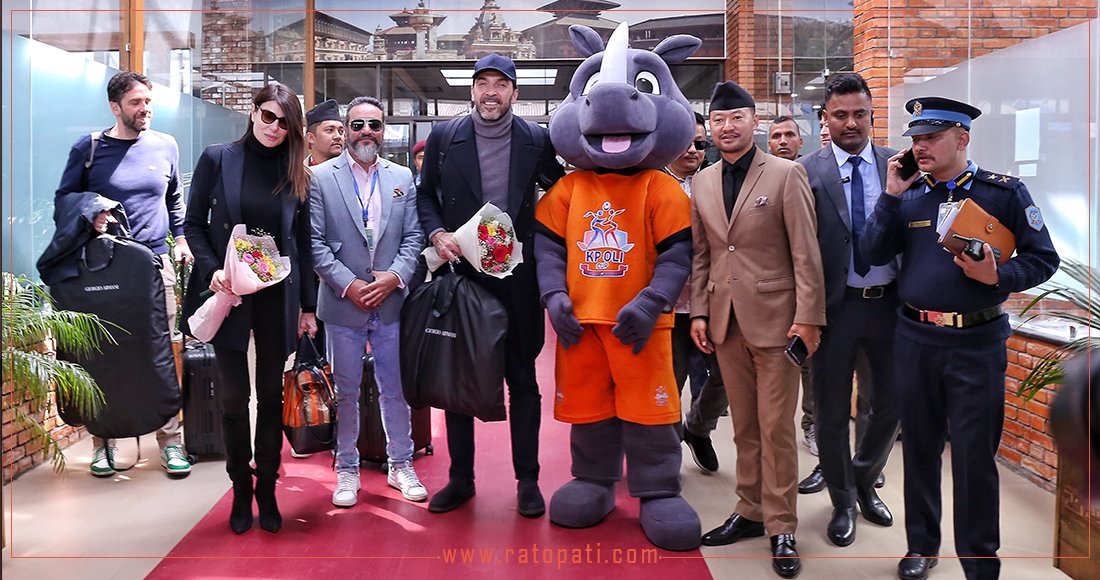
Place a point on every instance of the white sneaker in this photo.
(810, 440)
(403, 477)
(174, 460)
(297, 455)
(347, 489)
(103, 461)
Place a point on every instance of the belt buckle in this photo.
(874, 292)
(942, 318)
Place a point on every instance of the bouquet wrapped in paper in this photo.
(252, 263)
(488, 242)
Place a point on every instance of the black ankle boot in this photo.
(270, 519)
(240, 516)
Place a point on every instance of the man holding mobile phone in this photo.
(952, 331)
(860, 300)
(756, 283)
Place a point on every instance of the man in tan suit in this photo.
(756, 282)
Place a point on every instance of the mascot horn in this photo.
(613, 251)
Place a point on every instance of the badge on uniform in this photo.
(944, 210)
(1034, 218)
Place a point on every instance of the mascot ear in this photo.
(674, 49)
(585, 40)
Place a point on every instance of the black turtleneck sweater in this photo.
(494, 152)
(264, 169)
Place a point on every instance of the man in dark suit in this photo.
(846, 177)
(493, 156)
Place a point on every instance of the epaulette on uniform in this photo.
(1005, 181)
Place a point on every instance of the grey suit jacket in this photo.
(339, 245)
(834, 223)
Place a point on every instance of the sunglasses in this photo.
(268, 118)
(357, 124)
(701, 145)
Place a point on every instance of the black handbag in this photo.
(309, 401)
(452, 348)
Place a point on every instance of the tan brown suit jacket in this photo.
(763, 265)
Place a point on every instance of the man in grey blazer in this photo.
(366, 238)
(846, 177)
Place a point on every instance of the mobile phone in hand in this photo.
(796, 351)
(908, 165)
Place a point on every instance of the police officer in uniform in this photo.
(952, 330)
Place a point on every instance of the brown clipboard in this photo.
(971, 221)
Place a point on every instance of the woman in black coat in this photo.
(259, 181)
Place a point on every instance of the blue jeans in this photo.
(346, 347)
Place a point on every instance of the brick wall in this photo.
(228, 53)
(20, 451)
(1027, 444)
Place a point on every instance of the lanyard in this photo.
(370, 197)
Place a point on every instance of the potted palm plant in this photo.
(1076, 529)
(30, 326)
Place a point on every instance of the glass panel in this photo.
(1034, 96)
(521, 29)
(89, 28)
(46, 133)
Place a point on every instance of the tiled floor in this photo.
(73, 525)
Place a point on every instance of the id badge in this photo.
(945, 209)
(370, 239)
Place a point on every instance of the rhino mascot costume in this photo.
(613, 248)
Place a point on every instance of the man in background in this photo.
(324, 132)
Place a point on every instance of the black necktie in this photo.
(859, 216)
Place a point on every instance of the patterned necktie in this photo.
(859, 216)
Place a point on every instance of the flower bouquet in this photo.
(252, 263)
(488, 242)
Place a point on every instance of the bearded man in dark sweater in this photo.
(139, 168)
(493, 156)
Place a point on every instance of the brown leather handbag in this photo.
(309, 401)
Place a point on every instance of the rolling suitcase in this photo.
(372, 436)
(202, 401)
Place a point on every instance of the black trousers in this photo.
(526, 334)
(867, 325)
(268, 331)
(958, 390)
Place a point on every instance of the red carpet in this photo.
(386, 535)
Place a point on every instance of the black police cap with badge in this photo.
(935, 114)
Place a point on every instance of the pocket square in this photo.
(760, 201)
(397, 192)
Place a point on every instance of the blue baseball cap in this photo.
(498, 63)
(935, 114)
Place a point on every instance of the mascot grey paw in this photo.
(670, 523)
(582, 504)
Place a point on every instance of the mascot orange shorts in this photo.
(600, 378)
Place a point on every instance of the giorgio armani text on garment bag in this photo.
(120, 281)
(452, 348)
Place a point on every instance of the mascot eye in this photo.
(592, 80)
(645, 82)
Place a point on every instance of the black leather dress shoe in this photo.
(785, 560)
(453, 495)
(874, 509)
(842, 526)
(881, 481)
(915, 566)
(531, 503)
(702, 451)
(813, 483)
(735, 528)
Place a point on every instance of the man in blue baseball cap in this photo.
(951, 330)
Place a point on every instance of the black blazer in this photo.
(834, 229)
(213, 208)
(533, 161)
